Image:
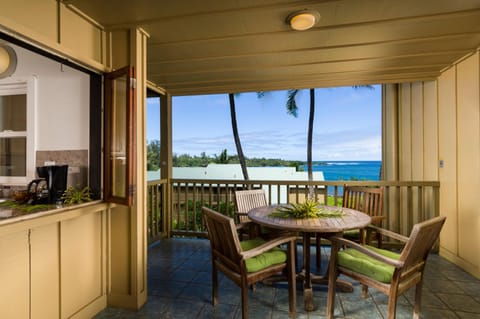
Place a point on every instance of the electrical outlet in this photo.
(49, 163)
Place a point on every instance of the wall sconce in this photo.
(303, 19)
(8, 61)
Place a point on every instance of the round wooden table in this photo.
(325, 226)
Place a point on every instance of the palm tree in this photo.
(236, 137)
(292, 109)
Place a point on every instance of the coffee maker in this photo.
(56, 178)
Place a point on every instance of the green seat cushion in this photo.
(262, 261)
(368, 266)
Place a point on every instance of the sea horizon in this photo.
(348, 170)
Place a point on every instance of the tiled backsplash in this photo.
(77, 161)
(74, 158)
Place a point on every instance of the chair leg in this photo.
(292, 284)
(364, 291)
(418, 300)
(332, 278)
(214, 285)
(318, 244)
(244, 288)
(392, 304)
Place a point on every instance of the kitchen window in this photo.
(17, 127)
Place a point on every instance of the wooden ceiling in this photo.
(219, 46)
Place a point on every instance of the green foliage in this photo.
(73, 195)
(331, 201)
(308, 209)
(26, 208)
(194, 214)
(186, 160)
(153, 155)
(223, 158)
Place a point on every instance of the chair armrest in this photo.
(342, 241)
(388, 233)
(241, 226)
(241, 214)
(267, 246)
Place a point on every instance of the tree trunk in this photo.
(309, 142)
(236, 137)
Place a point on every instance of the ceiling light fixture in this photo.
(303, 19)
(8, 61)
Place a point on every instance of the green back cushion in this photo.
(271, 257)
(368, 266)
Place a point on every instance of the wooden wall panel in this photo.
(58, 28)
(45, 271)
(405, 132)
(405, 153)
(430, 131)
(468, 166)
(82, 262)
(417, 126)
(88, 43)
(29, 20)
(447, 150)
(120, 270)
(14, 275)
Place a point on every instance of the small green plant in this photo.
(73, 195)
(308, 209)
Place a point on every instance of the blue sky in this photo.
(347, 125)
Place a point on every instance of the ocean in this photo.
(348, 170)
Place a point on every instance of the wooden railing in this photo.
(405, 203)
(157, 203)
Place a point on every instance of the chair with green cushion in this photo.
(250, 261)
(245, 200)
(368, 200)
(389, 272)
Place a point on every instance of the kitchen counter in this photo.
(11, 208)
(14, 212)
(53, 260)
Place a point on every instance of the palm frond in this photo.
(292, 107)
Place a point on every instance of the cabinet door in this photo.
(14, 275)
(119, 155)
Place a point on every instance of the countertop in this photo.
(12, 212)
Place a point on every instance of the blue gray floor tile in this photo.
(179, 286)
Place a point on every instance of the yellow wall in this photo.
(128, 240)
(57, 27)
(459, 148)
(428, 123)
(63, 30)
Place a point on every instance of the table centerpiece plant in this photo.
(307, 209)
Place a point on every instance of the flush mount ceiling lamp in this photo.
(303, 19)
(8, 61)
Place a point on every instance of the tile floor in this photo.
(179, 286)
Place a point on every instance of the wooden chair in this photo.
(365, 199)
(391, 273)
(368, 200)
(246, 200)
(247, 262)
